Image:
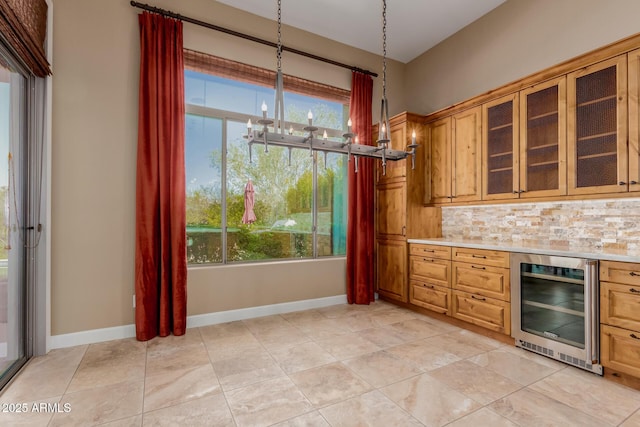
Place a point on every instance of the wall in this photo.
(94, 137)
(608, 224)
(517, 39)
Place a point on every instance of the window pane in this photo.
(203, 161)
(282, 200)
(332, 204)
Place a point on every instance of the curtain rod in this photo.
(247, 37)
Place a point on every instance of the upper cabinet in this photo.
(597, 128)
(500, 149)
(398, 137)
(543, 169)
(634, 120)
(455, 158)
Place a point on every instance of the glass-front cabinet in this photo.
(597, 128)
(634, 120)
(543, 139)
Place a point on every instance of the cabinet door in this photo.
(500, 179)
(431, 297)
(392, 213)
(597, 128)
(620, 349)
(430, 270)
(466, 132)
(439, 154)
(391, 261)
(543, 138)
(486, 312)
(634, 120)
(620, 305)
(398, 168)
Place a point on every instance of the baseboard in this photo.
(129, 331)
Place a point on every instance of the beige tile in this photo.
(381, 336)
(482, 417)
(430, 401)
(392, 315)
(285, 336)
(324, 329)
(301, 357)
(538, 358)
(342, 310)
(208, 411)
(191, 337)
(24, 413)
(441, 324)
(529, 408)
(370, 409)
(424, 355)
(347, 346)
(163, 359)
(232, 347)
(261, 324)
(110, 363)
(267, 402)
(135, 421)
(381, 368)
(329, 384)
(463, 344)
(632, 421)
(45, 376)
(179, 386)
(299, 317)
(100, 405)
(312, 419)
(415, 329)
(246, 369)
(482, 385)
(359, 321)
(513, 366)
(592, 394)
(224, 330)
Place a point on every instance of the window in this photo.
(299, 196)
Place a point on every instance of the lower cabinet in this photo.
(431, 297)
(430, 277)
(489, 313)
(620, 316)
(392, 269)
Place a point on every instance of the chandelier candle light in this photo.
(350, 144)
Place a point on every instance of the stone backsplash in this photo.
(608, 224)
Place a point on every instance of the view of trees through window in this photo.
(218, 171)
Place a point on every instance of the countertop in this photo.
(540, 249)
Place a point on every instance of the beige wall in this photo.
(95, 66)
(517, 39)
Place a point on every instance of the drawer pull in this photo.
(428, 250)
(633, 273)
(428, 286)
(478, 268)
(634, 336)
(428, 259)
(478, 298)
(634, 290)
(479, 256)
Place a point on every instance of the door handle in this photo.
(484, 299)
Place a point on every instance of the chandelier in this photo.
(272, 132)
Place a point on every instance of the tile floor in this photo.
(377, 365)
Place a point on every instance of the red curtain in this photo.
(161, 260)
(360, 227)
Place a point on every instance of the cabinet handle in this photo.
(634, 336)
(478, 256)
(478, 268)
(481, 299)
(522, 191)
(633, 182)
(428, 250)
(428, 286)
(633, 273)
(429, 259)
(622, 183)
(404, 230)
(634, 291)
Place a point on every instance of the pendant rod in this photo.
(183, 18)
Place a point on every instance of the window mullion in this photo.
(314, 206)
(224, 190)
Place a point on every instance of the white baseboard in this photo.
(129, 331)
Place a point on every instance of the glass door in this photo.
(13, 147)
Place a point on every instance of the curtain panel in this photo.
(161, 259)
(360, 227)
(23, 25)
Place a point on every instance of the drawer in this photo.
(482, 311)
(481, 256)
(620, 350)
(620, 305)
(432, 297)
(620, 272)
(430, 270)
(492, 282)
(433, 251)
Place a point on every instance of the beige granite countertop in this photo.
(541, 249)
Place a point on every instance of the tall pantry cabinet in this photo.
(400, 213)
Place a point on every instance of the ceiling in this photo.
(413, 26)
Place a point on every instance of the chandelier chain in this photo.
(384, 49)
(279, 34)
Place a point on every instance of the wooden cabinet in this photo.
(620, 316)
(597, 128)
(391, 262)
(455, 156)
(398, 141)
(430, 277)
(633, 91)
(481, 291)
(500, 148)
(391, 219)
(543, 168)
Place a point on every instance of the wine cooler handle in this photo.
(592, 344)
